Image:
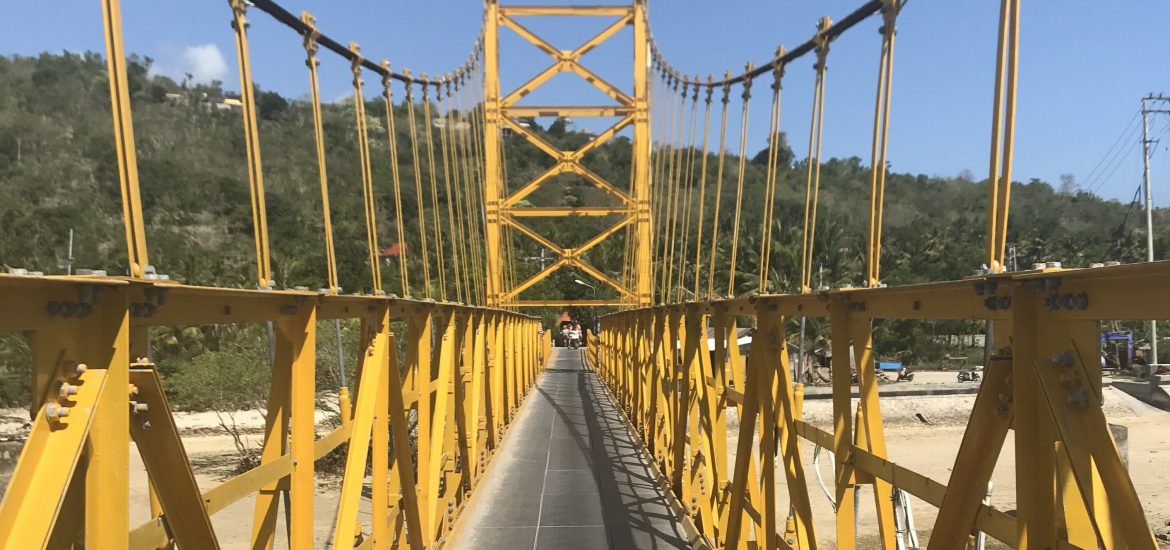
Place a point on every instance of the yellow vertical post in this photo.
(870, 433)
(843, 426)
(431, 456)
(299, 334)
(275, 444)
(418, 354)
(107, 484)
(252, 145)
(319, 136)
(124, 139)
(478, 437)
(380, 504)
(492, 181)
(496, 376)
(640, 161)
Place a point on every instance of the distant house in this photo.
(225, 102)
(393, 251)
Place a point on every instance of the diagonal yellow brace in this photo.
(540, 276)
(602, 36)
(47, 464)
(601, 84)
(157, 438)
(531, 37)
(371, 382)
(603, 137)
(536, 140)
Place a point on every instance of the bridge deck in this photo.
(569, 475)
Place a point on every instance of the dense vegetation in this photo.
(58, 172)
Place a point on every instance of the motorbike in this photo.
(968, 376)
(574, 339)
(905, 375)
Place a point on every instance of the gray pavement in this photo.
(569, 476)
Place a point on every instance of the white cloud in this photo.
(203, 62)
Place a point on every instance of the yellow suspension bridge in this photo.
(665, 432)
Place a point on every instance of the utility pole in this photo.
(1146, 141)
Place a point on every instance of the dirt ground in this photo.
(927, 449)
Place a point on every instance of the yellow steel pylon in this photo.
(502, 111)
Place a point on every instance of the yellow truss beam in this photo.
(565, 11)
(566, 303)
(633, 109)
(566, 212)
(567, 111)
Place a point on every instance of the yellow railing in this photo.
(1042, 386)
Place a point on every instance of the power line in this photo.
(1120, 161)
(1130, 128)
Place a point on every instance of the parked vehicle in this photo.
(968, 375)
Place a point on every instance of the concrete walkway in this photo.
(569, 476)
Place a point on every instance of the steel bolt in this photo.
(54, 411)
(80, 368)
(66, 390)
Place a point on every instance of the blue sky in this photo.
(1084, 66)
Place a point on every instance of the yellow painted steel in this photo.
(881, 135)
(436, 224)
(502, 110)
(252, 145)
(675, 370)
(743, 129)
(363, 141)
(311, 61)
(1002, 133)
(418, 186)
(392, 146)
(136, 255)
(90, 400)
(813, 179)
(1055, 350)
(771, 175)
